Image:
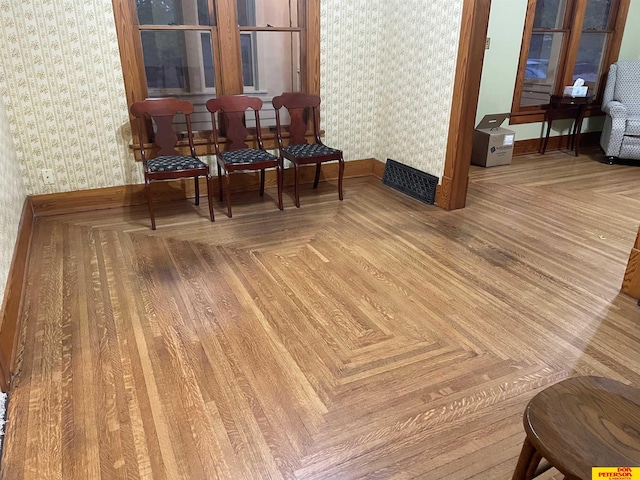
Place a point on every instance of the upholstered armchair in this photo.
(621, 103)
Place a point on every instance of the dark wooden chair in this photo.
(578, 424)
(237, 155)
(301, 108)
(167, 163)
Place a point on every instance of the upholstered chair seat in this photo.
(310, 150)
(173, 163)
(246, 155)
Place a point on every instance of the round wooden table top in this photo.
(586, 422)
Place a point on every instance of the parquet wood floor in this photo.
(373, 338)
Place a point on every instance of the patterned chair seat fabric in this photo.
(633, 126)
(174, 163)
(310, 150)
(246, 156)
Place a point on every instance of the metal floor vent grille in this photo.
(410, 181)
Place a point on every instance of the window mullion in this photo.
(217, 61)
(126, 20)
(212, 12)
(573, 45)
(228, 47)
(309, 19)
(524, 54)
(550, 30)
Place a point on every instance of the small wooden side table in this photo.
(580, 423)
(560, 103)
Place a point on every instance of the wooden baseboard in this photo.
(377, 168)
(13, 294)
(533, 145)
(127, 195)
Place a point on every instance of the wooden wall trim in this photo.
(631, 280)
(616, 40)
(126, 20)
(13, 294)
(377, 168)
(230, 65)
(524, 54)
(128, 195)
(473, 32)
(561, 142)
(311, 47)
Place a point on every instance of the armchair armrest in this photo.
(615, 109)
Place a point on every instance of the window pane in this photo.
(207, 60)
(247, 48)
(597, 15)
(267, 13)
(275, 63)
(542, 68)
(246, 13)
(589, 60)
(173, 12)
(178, 62)
(203, 13)
(549, 14)
(275, 60)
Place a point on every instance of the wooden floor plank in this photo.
(373, 338)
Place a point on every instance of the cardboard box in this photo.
(492, 144)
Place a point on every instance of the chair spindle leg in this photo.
(340, 175)
(228, 193)
(297, 184)
(280, 173)
(219, 183)
(527, 462)
(147, 188)
(317, 178)
(210, 196)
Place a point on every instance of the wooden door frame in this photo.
(452, 193)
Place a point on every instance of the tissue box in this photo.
(572, 91)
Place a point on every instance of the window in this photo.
(270, 50)
(565, 40)
(197, 49)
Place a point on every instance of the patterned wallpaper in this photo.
(387, 71)
(349, 74)
(417, 64)
(12, 195)
(61, 82)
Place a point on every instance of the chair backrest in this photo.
(162, 111)
(623, 85)
(231, 110)
(300, 106)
